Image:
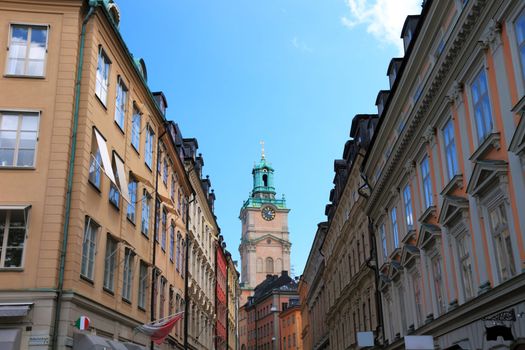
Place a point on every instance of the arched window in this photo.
(269, 265)
(259, 265)
(265, 180)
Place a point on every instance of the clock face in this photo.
(268, 213)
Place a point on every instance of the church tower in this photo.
(265, 245)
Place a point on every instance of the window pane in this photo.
(27, 139)
(9, 121)
(13, 257)
(39, 36)
(19, 34)
(7, 139)
(26, 157)
(35, 67)
(29, 123)
(6, 157)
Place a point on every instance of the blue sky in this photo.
(290, 72)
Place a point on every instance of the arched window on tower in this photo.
(269, 265)
(259, 265)
(265, 180)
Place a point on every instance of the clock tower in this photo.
(265, 244)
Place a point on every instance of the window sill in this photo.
(131, 221)
(11, 269)
(109, 291)
(101, 102)
(119, 127)
(429, 212)
(145, 235)
(135, 149)
(12, 167)
(141, 308)
(87, 279)
(126, 301)
(114, 205)
(25, 76)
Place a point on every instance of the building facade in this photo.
(314, 297)
(290, 326)
(446, 178)
(203, 236)
(233, 300)
(349, 277)
(270, 298)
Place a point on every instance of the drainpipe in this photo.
(155, 231)
(186, 270)
(67, 214)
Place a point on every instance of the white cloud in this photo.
(300, 45)
(384, 18)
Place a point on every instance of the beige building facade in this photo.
(94, 190)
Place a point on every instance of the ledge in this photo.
(492, 141)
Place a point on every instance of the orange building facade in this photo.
(291, 326)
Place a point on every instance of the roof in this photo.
(273, 283)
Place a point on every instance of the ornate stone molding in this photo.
(455, 94)
(491, 38)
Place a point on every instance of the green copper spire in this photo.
(263, 191)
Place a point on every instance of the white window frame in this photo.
(89, 248)
(480, 137)
(450, 149)
(3, 243)
(135, 132)
(18, 131)
(102, 82)
(110, 263)
(464, 258)
(26, 60)
(143, 285)
(426, 182)
(120, 110)
(438, 284)
(407, 202)
(127, 274)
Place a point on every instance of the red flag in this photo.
(158, 331)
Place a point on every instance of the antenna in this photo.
(262, 149)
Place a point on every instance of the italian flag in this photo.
(82, 323)
(160, 329)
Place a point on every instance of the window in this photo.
(163, 283)
(100, 157)
(102, 83)
(416, 285)
(13, 231)
(110, 264)
(165, 171)
(128, 274)
(95, 166)
(148, 157)
(182, 257)
(146, 209)
(89, 246)
(164, 219)
(465, 266)
(143, 284)
(120, 103)
(132, 191)
(395, 231)
(382, 233)
(269, 265)
(135, 129)
(480, 99)
(450, 149)
(408, 207)
(18, 137)
(114, 193)
(172, 189)
(502, 242)
(27, 50)
(177, 262)
(427, 184)
(438, 283)
(520, 37)
(172, 240)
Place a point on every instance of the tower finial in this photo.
(262, 149)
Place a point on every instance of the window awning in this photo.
(123, 181)
(9, 339)
(85, 341)
(14, 310)
(104, 154)
(143, 180)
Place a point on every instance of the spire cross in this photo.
(262, 149)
